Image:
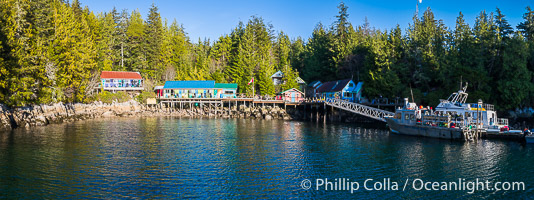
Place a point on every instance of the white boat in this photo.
(529, 138)
(452, 119)
(455, 105)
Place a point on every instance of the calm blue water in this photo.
(236, 158)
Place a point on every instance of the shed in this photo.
(311, 89)
(158, 90)
(226, 90)
(302, 84)
(277, 77)
(292, 95)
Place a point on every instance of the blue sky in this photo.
(213, 18)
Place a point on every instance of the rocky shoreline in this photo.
(42, 115)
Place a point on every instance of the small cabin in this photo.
(302, 84)
(226, 90)
(342, 89)
(292, 95)
(311, 89)
(277, 77)
(158, 90)
(121, 81)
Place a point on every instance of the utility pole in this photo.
(417, 7)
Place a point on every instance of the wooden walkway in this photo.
(356, 108)
(218, 100)
(360, 109)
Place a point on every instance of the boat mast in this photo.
(413, 100)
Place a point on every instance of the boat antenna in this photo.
(461, 82)
(413, 100)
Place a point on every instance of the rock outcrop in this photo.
(40, 115)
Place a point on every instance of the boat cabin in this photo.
(478, 112)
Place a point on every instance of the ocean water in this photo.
(172, 158)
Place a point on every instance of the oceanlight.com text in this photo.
(386, 184)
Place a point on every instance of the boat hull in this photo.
(506, 135)
(529, 139)
(425, 131)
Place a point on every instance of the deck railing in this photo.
(502, 122)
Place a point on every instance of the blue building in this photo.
(197, 89)
(189, 89)
(311, 89)
(226, 90)
(341, 89)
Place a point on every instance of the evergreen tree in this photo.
(73, 52)
(317, 61)
(503, 28)
(153, 39)
(296, 54)
(526, 27)
(515, 83)
(136, 60)
(282, 49)
(120, 40)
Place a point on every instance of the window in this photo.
(347, 94)
(351, 84)
(228, 92)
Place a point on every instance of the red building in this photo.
(292, 95)
(121, 81)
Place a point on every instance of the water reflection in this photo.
(238, 158)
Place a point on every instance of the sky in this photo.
(210, 19)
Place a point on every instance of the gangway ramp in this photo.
(360, 109)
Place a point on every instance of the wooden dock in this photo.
(216, 103)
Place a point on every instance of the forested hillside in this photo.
(53, 51)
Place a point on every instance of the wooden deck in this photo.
(207, 100)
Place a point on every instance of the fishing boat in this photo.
(453, 118)
(529, 138)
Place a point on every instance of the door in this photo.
(292, 97)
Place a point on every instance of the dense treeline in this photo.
(53, 51)
(429, 57)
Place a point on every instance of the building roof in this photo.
(333, 86)
(158, 87)
(120, 75)
(314, 84)
(300, 81)
(226, 85)
(292, 89)
(278, 74)
(188, 84)
(358, 87)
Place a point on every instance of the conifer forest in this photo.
(53, 51)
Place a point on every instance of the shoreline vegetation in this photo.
(53, 51)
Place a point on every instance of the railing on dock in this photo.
(502, 122)
(366, 111)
